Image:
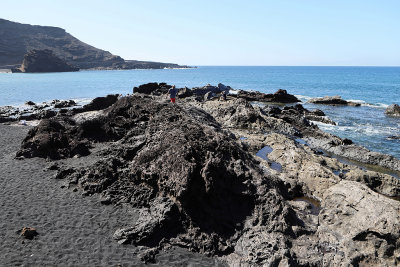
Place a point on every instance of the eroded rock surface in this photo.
(359, 227)
(191, 171)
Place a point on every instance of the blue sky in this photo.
(222, 32)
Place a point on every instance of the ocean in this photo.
(374, 87)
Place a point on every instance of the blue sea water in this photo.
(374, 87)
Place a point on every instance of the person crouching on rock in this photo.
(172, 93)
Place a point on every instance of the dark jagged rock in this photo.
(15, 70)
(347, 141)
(185, 92)
(65, 104)
(208, 96)
(28, 232)
(317, 112)
(46, 114)
(30, 103)
(6, 119)
(332, 100)
(223, 87)
(50, 140)
(44, 61)
(316, 115)
(100, 103)
(152, 88)
(393, 110)
(280, 96)
(158, 89)
(202, 91)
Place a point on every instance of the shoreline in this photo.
(101, 69)
(327, 124)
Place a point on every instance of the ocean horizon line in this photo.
(342, 66)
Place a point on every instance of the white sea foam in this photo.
(324, 125)
(305, 99)
(356, 101)
(233, 92)
(365, 104)
(377, 105)
(362, 129)
(82, 101)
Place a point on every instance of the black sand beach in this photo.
(73, 230)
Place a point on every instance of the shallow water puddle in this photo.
(363, 166)
(338, 172)
(315, 204)
(263, 153)
(301, 141)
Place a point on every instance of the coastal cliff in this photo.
(17, 39)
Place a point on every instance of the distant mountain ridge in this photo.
(17, 39)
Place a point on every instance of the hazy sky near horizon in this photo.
(228, 32)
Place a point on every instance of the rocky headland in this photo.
(249, 184)
(18, 39)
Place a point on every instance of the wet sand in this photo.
(73, 230)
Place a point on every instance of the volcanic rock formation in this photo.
(197, 185)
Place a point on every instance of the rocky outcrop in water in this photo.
(44, 61)
(393, 110)
(280, 96)
(333, 100)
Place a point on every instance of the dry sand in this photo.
(73, 230)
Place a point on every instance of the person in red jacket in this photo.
(172, 93)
